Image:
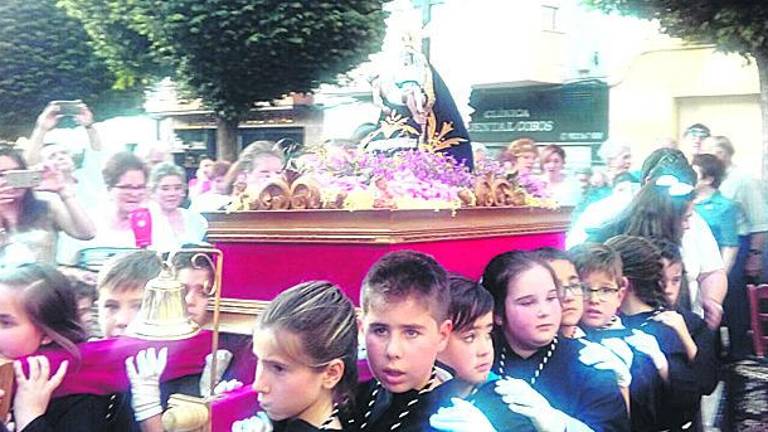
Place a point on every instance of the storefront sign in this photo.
(551, 113)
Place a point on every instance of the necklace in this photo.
(426, 389)
(330, 418)
(539, 368)
(650, 317)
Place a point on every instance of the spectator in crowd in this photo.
(257, 164)
(203, 180)
(154, 153)
(83, 176)
(520, 156)
(30, 222)
(123, 221)
(693, 138)
(563, 188)
(705, 274)
(617, 157)
(479, 152)
(720, 213)
(752, 227)
(220, 193)
(172, 225)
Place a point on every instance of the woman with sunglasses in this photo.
(30, 221)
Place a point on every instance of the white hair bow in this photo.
(675, 186)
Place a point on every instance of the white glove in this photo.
(600, 357)
(223, 358)
(521, 398)
(258, 423)
(227, 386)
(145, 382)
(619, 348)
(648, 345)
(462, 416)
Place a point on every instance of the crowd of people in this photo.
(616, 333)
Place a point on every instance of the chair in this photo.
(758, 307)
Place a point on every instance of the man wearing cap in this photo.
(693, 138)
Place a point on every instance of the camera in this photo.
(68, 107)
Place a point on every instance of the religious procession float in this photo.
(411, 184)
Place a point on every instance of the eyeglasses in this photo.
(575, 290)
(131, 187)
(601, 293)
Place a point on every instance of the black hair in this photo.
(548, 253)
(469, 301)
(711, 167)
(667, 161)
(33, 211)
(504, 269)
(653, 212)
(669, 251)
(401, 274)
(642, 266)
(49, 301)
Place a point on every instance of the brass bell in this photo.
(163, 314)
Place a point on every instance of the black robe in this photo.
(582, 392)
(647, 387)
(387, 409)
(86, 413)
(681, 396)
(486, 400)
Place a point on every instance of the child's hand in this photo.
(677, 323)
(671, 319)
(600, 357)
(648, 345)
(227, 386)
(523, 399)
(462, 416)
(145, 382)
(33, 392)
(258, 423)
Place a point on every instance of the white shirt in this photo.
(566, 193)
(164, 239)
(748, 194)
(700, 255)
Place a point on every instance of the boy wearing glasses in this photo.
(600, 267)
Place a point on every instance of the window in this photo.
(549, 21)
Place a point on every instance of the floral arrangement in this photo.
(406, 179)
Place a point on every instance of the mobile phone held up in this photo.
(69, 107)
(22, 179)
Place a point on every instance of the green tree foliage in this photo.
(736, 26)
(232, 53)
(733, 26)
(44, 55)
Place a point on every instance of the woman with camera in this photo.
(30, 221)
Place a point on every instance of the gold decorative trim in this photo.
(383, 226)
(239, 316)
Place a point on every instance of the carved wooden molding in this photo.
(382, 226)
